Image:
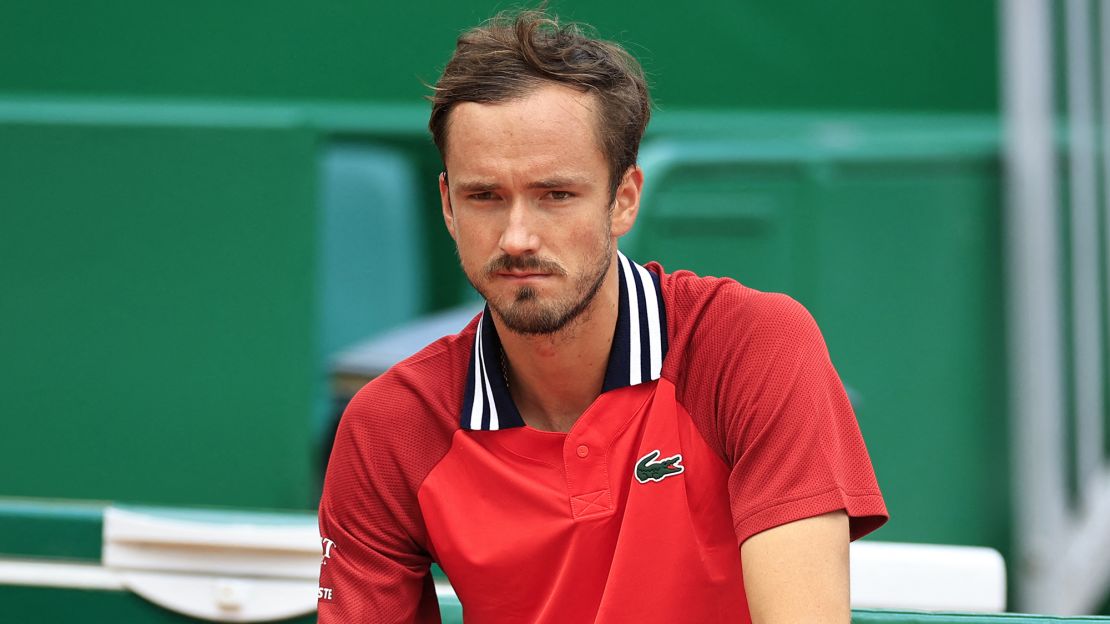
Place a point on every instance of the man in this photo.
(606, 442)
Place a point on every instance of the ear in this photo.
(626, 204)
(445, 204)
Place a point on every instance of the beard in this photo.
(525, 312)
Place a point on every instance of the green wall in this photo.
(889, 230)
(158, 311)
(160, 225)
(799, 54)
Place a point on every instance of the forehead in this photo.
(553, 126)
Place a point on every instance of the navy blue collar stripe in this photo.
(616, 372)
(639, 346)
(472, 395)
(632, 312)
(646, 339)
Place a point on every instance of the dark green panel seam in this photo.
(69, 530)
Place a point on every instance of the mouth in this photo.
(522, 270)
(521, 275)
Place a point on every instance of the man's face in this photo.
(527, 202)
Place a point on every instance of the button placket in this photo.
(587, 476)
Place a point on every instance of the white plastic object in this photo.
(888, 575)
(237, 567)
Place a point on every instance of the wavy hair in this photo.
(514, 53)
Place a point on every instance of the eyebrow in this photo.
(558, 182)
(482, 186)
(476, 186)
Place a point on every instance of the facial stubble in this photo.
(527, 314)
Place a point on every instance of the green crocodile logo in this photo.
(647, 469)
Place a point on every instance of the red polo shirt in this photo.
(721, 416)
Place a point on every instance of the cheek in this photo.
(473, 251)
(595, 232)
(578, 242)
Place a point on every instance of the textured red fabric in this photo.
(530, 530)
(753, 371)
(747, 383)
(391, 435)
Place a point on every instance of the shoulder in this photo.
(717, 320)
(410, 412)
(736, 353)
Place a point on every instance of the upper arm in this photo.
(786, 427)
(798, 572)
(374, 567)
(369, 579)
(759, 383)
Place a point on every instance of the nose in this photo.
(520, 236)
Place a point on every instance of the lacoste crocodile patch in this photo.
(647, 469)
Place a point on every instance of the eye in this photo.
(483, 196)
(560, 195)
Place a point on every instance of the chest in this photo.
(544, 526)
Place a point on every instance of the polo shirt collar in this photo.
(639, 346)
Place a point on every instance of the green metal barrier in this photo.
(161, 271)
(176, 277)
(717, 53)
(890, 234)
(158, 288)
(45, 529)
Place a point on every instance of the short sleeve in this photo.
(759, 384)
(373, 567)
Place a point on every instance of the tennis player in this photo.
(607, 441)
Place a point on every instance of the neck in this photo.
(554, 378)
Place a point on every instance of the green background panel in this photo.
(720, 220)
(169, 341)
(158, 312)
(909, 297)
(162, 195)
(893, 242)
(50, 605)
(798, 54)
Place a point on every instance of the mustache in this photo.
(506, 262)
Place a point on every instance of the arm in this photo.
(374, 566)
(369, 580)
(798, 572)
(801, 481)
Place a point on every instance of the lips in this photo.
(523, 268)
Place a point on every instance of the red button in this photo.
(583, 450)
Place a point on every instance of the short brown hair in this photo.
(514, 53)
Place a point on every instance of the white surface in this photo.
(225, 599)
(888, 575)
(122, 525)
(139, 541)
(64, 575)
(222, 568)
